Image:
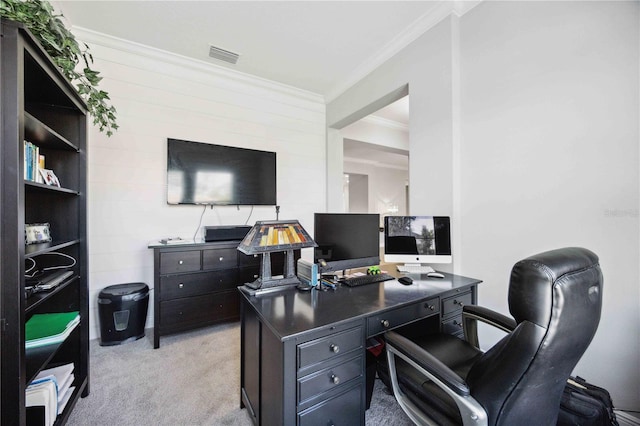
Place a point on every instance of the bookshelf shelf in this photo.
(40, 106)
(40, 134)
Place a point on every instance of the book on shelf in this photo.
(52, 389)
(44, 393)
(63, 378)
(47, 329)
(33, 163)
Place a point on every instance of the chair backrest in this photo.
(555, 298)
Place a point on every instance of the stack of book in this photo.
(33, 162)
(52, 389)
(48, 329)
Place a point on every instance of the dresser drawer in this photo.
(453, 325)
(175, 286)
(329, 378)
(180, 314)
(248, 274)
(344, 409)
(248, 259)
(400, 316)
(453, 304)
(329, 347)
(219, 258)
(179, 261)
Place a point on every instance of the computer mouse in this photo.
(405, 280)
(435, 275)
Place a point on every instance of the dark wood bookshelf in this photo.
(39, 105)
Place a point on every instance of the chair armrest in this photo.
(471, 314)
(423, 360)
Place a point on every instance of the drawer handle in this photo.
(459, 324)
(430, 307)
(221, 258)
(334, 348)
(180, 285)
(180, 262)
(335, 379)
(385, 323)
(455, 302)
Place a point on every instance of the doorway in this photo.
(376, 161)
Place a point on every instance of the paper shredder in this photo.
(122, 311)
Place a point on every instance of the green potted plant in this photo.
(39, 17)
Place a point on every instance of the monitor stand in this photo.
(415, 268)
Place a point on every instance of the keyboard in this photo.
(415, 269)
(366, 279)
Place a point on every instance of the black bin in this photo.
(122, 310)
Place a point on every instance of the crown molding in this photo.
(424, 23)
(385, 122)
(138, 49)
(373, 163)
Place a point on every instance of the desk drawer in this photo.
(329, 378)
(186, 285)
(453, 326)
(344, 409)
(453, 304)
(179, 261)
(219, 258)
(329, 347)
(400, 316)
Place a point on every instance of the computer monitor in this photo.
(346, 240)
(417, 239)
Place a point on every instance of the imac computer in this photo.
(346, 240)
(417, 241)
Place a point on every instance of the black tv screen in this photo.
(201, 173)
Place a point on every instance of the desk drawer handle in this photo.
(459, 324)
(430, 307)
(385, 323)
(334, 348)
(180, 285)
(455, 302)
(221, 258)
(180, 262)
(335, 379)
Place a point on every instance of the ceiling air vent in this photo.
(223, 55)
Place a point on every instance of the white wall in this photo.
(524, 127)
(378, 131)
(549, 157)
(160, 96)
(386, 186)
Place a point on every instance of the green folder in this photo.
(46, 325)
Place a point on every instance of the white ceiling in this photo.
(319, 46)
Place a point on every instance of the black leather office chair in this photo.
(555, 300)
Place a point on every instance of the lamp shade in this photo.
(275, 235)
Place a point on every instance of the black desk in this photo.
(303, 353)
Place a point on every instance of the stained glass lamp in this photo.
(267, 237)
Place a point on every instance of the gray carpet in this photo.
(192, 379)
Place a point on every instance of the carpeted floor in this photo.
(192, 379)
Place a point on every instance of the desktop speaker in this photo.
(308, 272)
(225, 233)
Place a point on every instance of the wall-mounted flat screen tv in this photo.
(202, 173)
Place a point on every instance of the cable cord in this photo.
(200, 223)
(30, 268)
(49, 268)
(250, 213)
